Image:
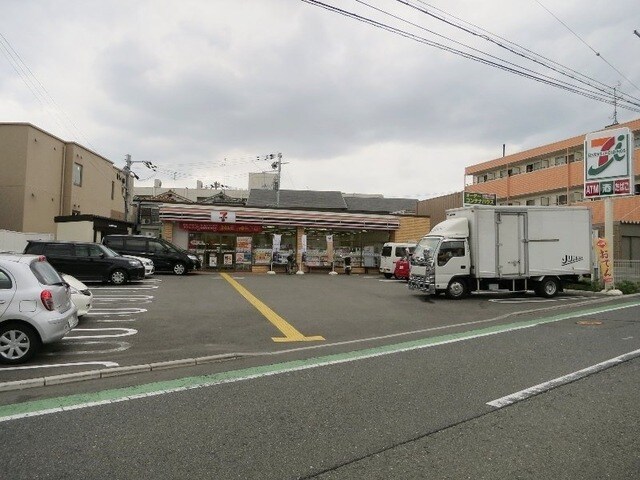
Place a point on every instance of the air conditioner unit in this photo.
(145, 221)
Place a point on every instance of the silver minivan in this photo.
(35, 306)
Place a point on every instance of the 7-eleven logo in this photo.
(608, 154)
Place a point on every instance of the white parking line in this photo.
(533, 300)
(117, 311)
(124, 332)
(116, 320)
(58, 365)
(149, 287)
(543, 387)
(120, 347)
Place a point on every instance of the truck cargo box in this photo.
(526, 241)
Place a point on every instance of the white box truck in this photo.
(511, 248)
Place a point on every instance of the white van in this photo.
(391, 253)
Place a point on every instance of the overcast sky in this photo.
(203, 88)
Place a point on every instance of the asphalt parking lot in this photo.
(205, 315)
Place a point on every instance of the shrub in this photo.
(627, 287)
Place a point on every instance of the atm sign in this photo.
(592, 189)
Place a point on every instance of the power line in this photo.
(513, 47)
(507, 66)
(588, 46)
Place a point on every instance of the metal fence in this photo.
(626, 270)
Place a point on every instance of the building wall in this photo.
(411, 229)
(43, 180)
(13, 161)
(99, 180)
(435, 208)
(36, 184)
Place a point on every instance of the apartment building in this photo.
(554, 175)
(46, 181)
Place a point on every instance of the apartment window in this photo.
(503, 173)
(544, 201)
(562, 200)
(636, 141)
(561, 160)
(113, 190)
(571, 158)
(576, 197)
(531, 202)
(77, 174)
(514, 171)
(530, 168)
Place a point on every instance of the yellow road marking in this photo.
(289, 332)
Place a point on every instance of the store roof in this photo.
(330, 200)
(300, 199)
(381, 205)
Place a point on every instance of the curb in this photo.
(113, 372)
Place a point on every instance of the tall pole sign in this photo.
(608, 163)
(608, 173)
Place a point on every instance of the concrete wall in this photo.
(76, 231)
(11, 241)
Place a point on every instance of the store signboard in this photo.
(223, 216)
(220, 227)
(608, 163)
(473, 198)
(602, 251)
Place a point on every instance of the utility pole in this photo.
(127, 172)
(277, 165)
(126, 189)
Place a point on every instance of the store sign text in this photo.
(221, 227)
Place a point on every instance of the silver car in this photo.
(35, 306)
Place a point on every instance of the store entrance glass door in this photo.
(225, 252)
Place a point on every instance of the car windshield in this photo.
(108, 252)
(170, 247)
(427, 243)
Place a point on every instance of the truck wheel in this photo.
(457, 289)
(548, 288)
(18, 342)
(388, 275)
(179, 268)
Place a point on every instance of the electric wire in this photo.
(521, 71)
(520, 50)
(553, 79)
(588, 46)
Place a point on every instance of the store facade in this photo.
(260, 239)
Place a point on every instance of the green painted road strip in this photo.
(80, 401)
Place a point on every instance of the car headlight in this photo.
(135, 263)
(193, 257)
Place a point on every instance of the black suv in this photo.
(87, 261)
(166, 256)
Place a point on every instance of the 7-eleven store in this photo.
(240, 238)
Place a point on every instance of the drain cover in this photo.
(589, 322)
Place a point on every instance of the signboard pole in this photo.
(608, 235)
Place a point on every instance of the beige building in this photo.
(44, 177)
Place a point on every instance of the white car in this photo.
(149, 268)
(81, 296)
(35, 306)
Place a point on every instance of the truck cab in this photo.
(443, 258)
